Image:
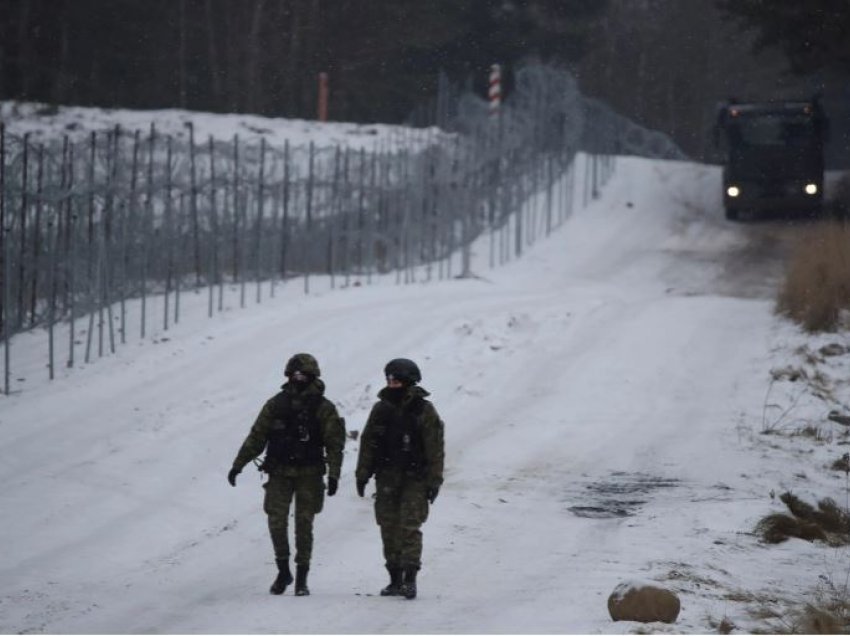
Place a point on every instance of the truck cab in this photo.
(773, 157)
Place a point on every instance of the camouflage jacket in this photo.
(428, 423)
(332, 426)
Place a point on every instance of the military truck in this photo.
(773, 157)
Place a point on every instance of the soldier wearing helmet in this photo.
(402, 446)
(303, 437)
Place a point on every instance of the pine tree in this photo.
(812, 34)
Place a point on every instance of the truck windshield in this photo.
(773, 130)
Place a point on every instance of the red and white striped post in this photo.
(323, 97)
(495, 91)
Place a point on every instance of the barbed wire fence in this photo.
(88, 224)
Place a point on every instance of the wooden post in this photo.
(322, 114)
(494, 92)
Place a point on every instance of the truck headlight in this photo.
(811, 188)
(733, 191)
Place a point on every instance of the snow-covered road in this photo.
(594, 394)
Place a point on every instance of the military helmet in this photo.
(403, 370)
(303, 362)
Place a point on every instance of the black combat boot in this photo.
(284, 577)
(408, 587)
(394, 588)
(301, 588)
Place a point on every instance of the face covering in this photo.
(395, 394)
(299, 380)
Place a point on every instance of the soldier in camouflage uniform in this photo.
(402, 446)
(303, 436)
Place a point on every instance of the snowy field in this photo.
(43, 122)
(605, 400)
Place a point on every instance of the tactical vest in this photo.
(295, 435)
(401, 446)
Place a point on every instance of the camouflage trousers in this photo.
(308, 491)
(401, 507)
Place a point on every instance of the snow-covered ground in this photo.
(606, 399)
(45, 122)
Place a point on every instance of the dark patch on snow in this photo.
(620, 495)
(606, 512)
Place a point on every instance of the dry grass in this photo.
(802, 619)
(739, 596)
(828, 522)
(842, 463)
(813, 432)
(726, 626)
(817, 282)
(832, 518)
(777, 527)
(815, 620)
(792, 374)
(829, 613)
(808, 620)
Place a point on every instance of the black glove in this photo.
(231, 476)
(361, 486)
(332, 486)
(432, 493)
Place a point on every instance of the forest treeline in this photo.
(264, 56)
(663, 63)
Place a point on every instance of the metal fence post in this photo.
(4, 244)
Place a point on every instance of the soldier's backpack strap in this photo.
(295, 437)
(401, 445)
